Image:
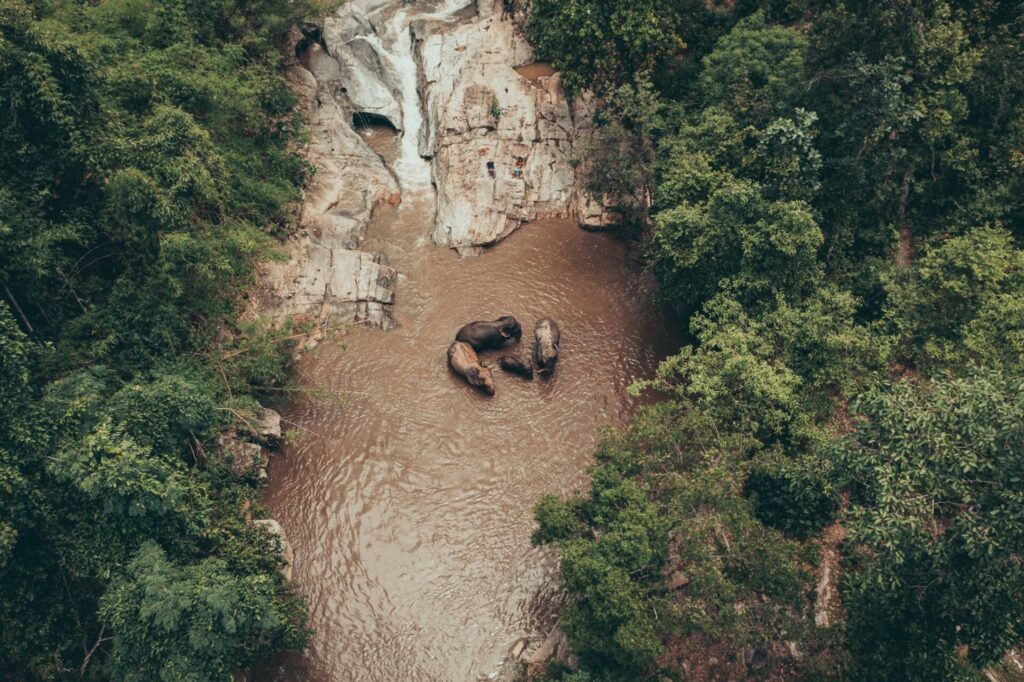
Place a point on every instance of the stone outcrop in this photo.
(500, 145)
(326, 276)
(592, 213)
(480, 111)
(277, 532)
(268, 426)
(245, 448)
(246, 460)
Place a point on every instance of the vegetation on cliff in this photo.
(145, 168)
(835, 208)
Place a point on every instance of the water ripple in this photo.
(409, 501)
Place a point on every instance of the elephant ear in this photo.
(473, 373)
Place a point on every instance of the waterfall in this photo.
(395, 47)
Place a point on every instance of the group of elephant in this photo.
(481, 336)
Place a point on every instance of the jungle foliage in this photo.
(145, 167)
(832, 200)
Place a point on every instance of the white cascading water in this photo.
(395, 49)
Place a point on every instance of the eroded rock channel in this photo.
(408, 498)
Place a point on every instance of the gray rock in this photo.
(480, 110)
(245, 459)
(274, 529)
(269, 425)
(354, 42)
(327, 277)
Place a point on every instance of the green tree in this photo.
(605, 41)
(199, 621)
(147, 164)
(756, 70)
(821, 170)
(935, 473)
(617, 164)
(892, 86)
(964, 301)
(738, 240)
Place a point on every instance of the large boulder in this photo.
(481, 111)
(277, 532)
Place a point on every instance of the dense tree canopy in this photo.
(935, 529)
(828, 191)
(834, 208)
(145, 167)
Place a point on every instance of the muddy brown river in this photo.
(409, 497)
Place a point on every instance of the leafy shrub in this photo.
(150, 161)
(792, 494)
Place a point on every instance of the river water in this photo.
(408, 495)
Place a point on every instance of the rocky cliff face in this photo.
(327, 276)
(501, 143)
(443, 75)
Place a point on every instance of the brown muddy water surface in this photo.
(535, 71)
(409, 500)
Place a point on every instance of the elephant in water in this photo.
(464, 360)
(517, 365)
(488, 335)
(546, 336)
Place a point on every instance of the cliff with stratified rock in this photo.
(480, 111)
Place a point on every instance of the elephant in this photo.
(487, 335)
(517, 365)
(546, 336)
(465, 361)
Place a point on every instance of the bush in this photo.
(792, 494)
